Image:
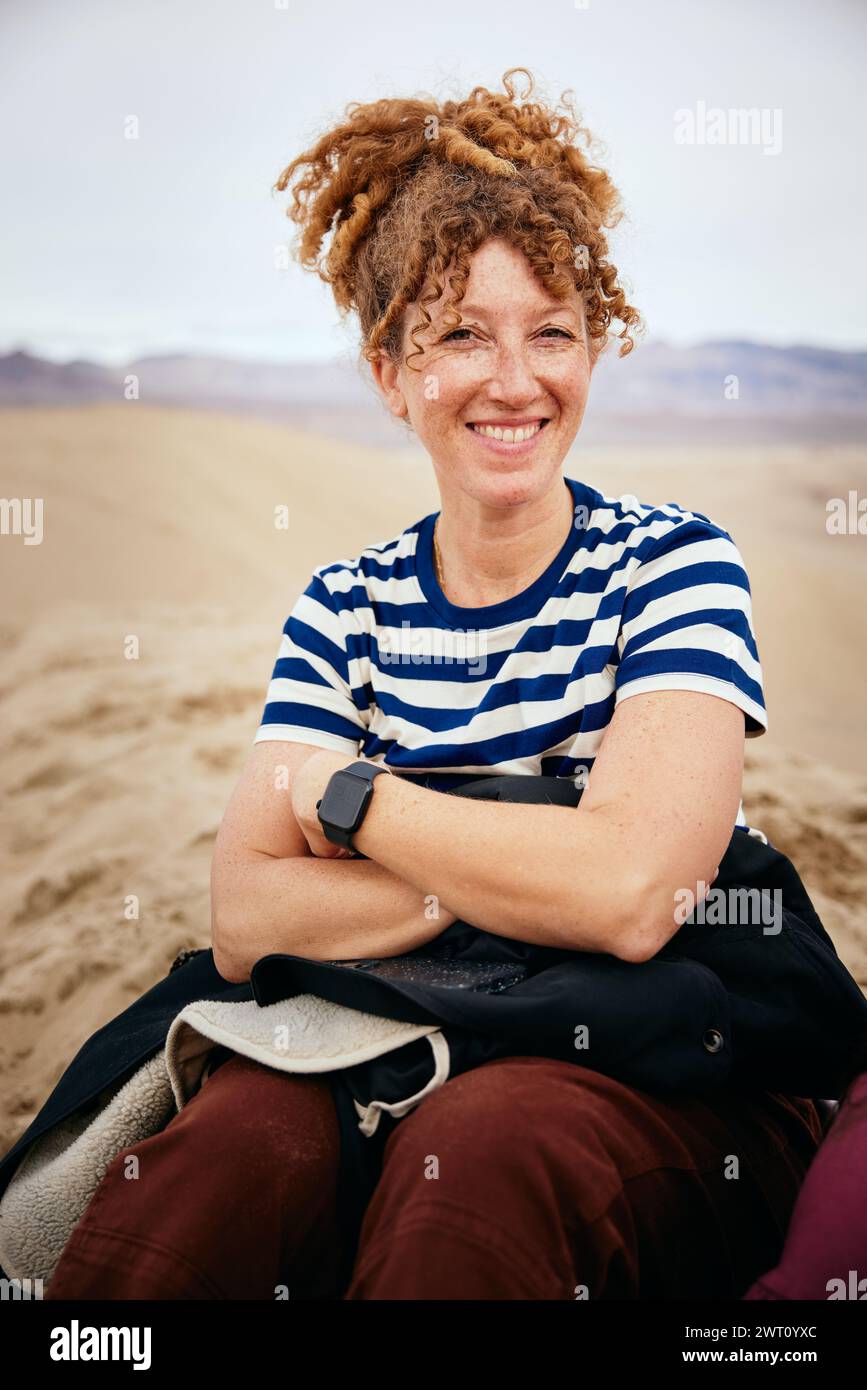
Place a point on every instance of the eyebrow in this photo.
(480, 311)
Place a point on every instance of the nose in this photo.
(513, 380)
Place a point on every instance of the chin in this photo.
(509, 482)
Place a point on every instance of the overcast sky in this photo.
(112, 246)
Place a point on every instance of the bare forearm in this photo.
(323, 909)
(550, 875)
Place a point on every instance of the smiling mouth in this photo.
(515, 433)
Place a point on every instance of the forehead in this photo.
(501, 279)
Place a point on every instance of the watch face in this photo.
(344, 799)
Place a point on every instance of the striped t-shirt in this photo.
(375, 660)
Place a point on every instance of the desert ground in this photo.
(159, 525)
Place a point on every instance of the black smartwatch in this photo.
(344, 804)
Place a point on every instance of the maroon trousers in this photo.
(523, 1179)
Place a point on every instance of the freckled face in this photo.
(499, 400)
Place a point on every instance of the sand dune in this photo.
(159, 523)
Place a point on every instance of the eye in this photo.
(464, 335)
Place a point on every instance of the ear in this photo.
(386, 373)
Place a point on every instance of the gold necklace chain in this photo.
(438, 567)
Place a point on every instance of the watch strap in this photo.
(365, 770)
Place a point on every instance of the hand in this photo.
(308, 787)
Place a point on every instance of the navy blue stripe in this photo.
(310, 717)
(311, 641)
(522, 690)
(487, 752)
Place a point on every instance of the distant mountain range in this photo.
(713, 391)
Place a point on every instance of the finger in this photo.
(325, 849)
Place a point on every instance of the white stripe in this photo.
(300, 733)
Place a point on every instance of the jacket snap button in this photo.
(713, 1040)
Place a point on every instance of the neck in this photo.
(491, 554)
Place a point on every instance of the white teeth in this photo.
(508, 436)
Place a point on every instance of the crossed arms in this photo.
(655, 817)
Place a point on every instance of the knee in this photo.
(515, 1116)
(253, 1115)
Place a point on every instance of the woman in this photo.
(532, 625)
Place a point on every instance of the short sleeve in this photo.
(687, 622)
(310, 696)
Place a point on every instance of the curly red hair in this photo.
(411, 187)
